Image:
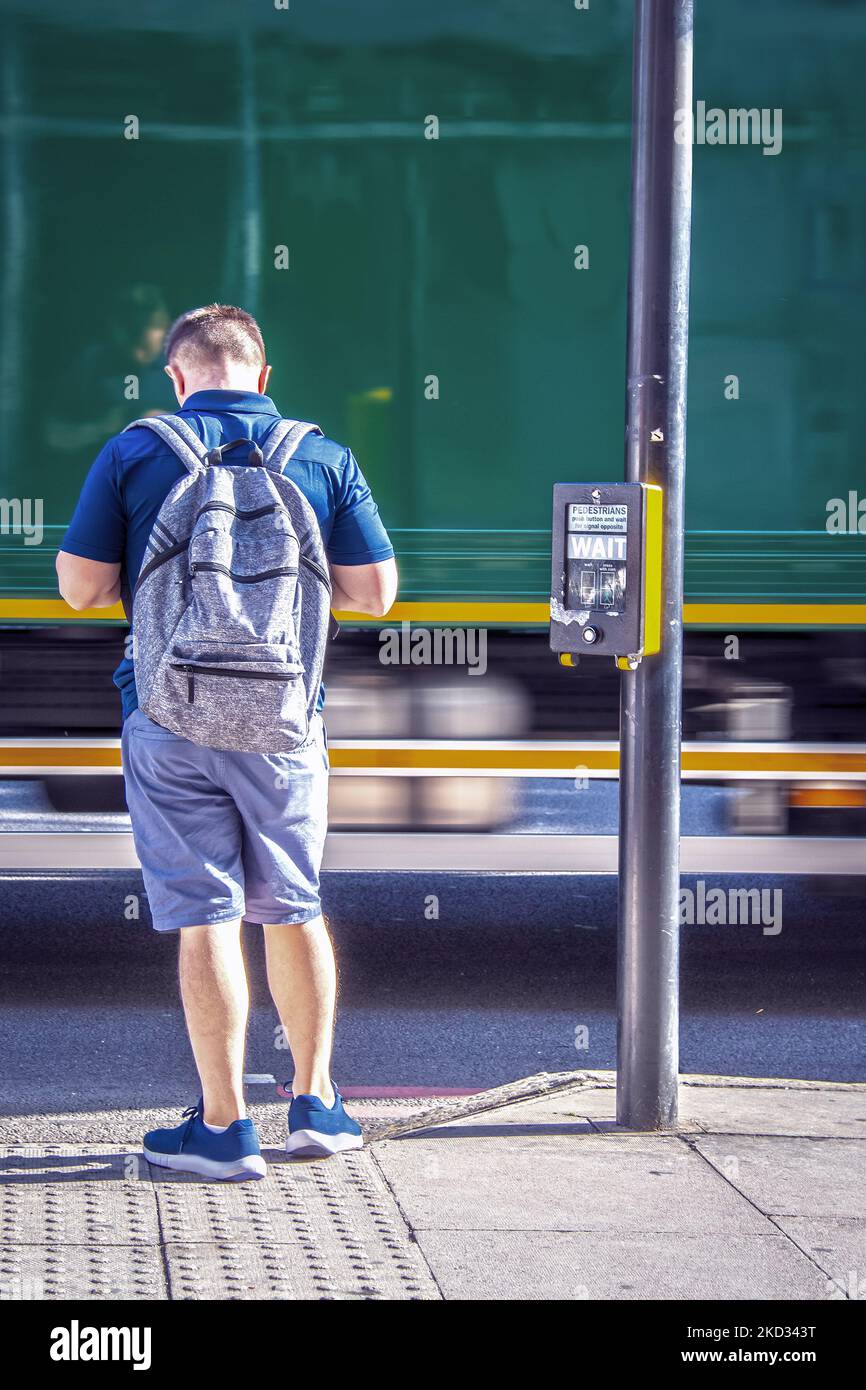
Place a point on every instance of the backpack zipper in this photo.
(202, 564)
(238, 511)
(192, 669)
(213, 566)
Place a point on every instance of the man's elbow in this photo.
(377, 608)
(69, 592)
(373, 592)
(372, 606)
(382, 601)
(76, 598)
(78, 594)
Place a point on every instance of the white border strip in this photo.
(505, 853)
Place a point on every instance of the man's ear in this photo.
(177, 382)
(264, 378)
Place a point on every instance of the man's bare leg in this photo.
(213, 985)
(302, 975)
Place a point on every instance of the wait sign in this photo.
(593, 547)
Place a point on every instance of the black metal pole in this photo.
(650, 718)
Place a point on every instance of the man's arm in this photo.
(89, 559)
(87, 583)
(364, 588)
(356, 588)
(358, 535)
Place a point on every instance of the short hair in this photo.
(216, 333)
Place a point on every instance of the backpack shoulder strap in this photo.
(283, 441)
(180, 437)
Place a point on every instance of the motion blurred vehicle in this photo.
(427, 207)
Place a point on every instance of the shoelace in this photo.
(188, 1115)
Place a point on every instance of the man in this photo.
(223, 835)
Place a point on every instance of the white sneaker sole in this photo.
(253, 1166)
(309, 1143)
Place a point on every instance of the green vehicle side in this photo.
(427, 208)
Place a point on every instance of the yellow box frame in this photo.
(653, 500)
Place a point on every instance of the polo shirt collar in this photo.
(230, 402)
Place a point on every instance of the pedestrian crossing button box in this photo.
(605, 587)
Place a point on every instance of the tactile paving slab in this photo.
(46, 1272)
(317, 1230)
(89, 1222)
(78, 1223)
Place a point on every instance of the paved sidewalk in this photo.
(530, 1191)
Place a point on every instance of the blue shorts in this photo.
(224, 835)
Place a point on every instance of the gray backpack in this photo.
(232, 606)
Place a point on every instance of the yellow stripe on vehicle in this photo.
(835, 797)
(510, 614)
(522, 759)
(15, 758)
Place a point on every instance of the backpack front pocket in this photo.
(233, 699)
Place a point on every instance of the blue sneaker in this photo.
(192, 1148)
(316, 1131)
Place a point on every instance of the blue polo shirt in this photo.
(134, 473)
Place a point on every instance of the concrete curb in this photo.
(545, 1084)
